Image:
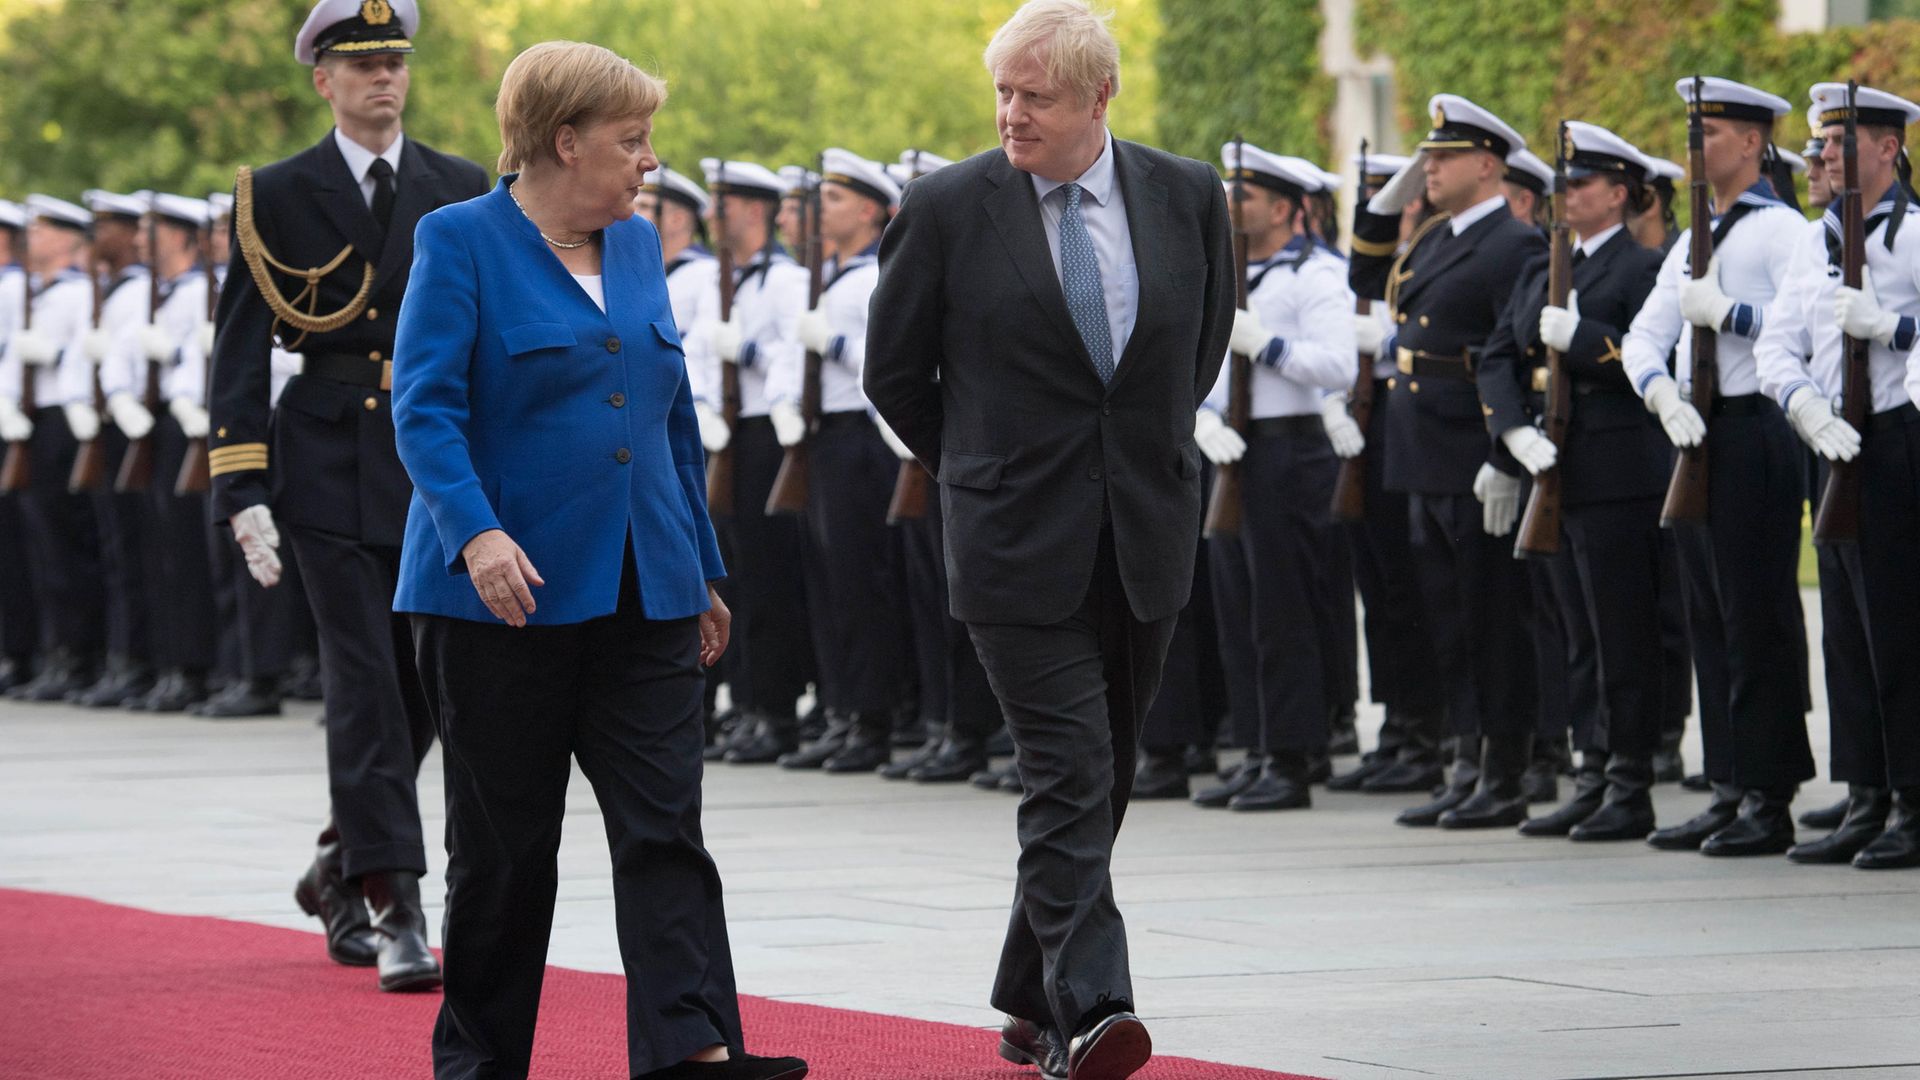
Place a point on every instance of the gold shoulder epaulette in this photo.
(259, 260)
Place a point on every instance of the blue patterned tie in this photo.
(1080, 277)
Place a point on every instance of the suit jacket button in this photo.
(375, 355)
(1392, 382)
(370, 404)
(1106, 410)
(623, 455)
(1093, 473)
(1423, 320)
(617, 400)
(1413, 386)
(373, 313)
(613, 344)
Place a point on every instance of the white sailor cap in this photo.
(1290, 176)
(1877, 108)
(1525, 168)
(725, 177)
(1594, 151)
(357, 28)
(1331, 182)
(12, 215)
(919, 163)
(795, 180)
(183, 209)
(1459, 124)
(669, 184)
(109, 204)
(58, 212)
(1813, 120)
(863, 177)
(220, 205)
(1379, 167)
(1732, 100)
(1669, 171)
(1794, 161)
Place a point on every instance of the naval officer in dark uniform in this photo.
(322, 465)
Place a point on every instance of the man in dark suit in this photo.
(348, 204)
(1074, 296)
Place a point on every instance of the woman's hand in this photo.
(501, 575)
(715, 625)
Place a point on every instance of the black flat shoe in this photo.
(1405, 778)
(1691, 833)
(742, 1067)
(951, 763)
(1868, 809)
(1160, 776)
(1899, 847)
(1025, 1042)
(1239, 779)
(1764, 827)
(1827, 817)
(1113, 1049)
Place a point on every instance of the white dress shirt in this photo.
(1308, 308)
(1591, 244)
(1104, 210)
(768, 308)
(360, 160)
(849, 286)
(1472, 215)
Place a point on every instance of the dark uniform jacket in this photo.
(325, 458)
(1447, 294)
(1614, 448)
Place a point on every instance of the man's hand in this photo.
(1249, 337)
(1533, 450)
(82, 419)
(1860, 315)
(816, 332)
(714, 432)
(1557, 324)
(1499, 496)
(716, 626)
(192, 418)
(789, 427)
(131, 417)
(1701, 301)
(1677, 415)
(502, 575)
(1221, 444)
(1407, 184)
(1820, 427)
(260, 542)
(1342, 431)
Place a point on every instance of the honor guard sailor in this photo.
(19, 629)
(678, 209)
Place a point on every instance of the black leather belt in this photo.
(1740, 405)
(1271, 426)
(1428, 365)
(352, 370)
(1898, 416)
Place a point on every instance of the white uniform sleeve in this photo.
(703, 368)
(75, 378)
(849, 316)
(1785, 343)
(1656, 329)
(13, 290)
(1324, 352)
(776, 340)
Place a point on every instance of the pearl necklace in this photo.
(536, 227)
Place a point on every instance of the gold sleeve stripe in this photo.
(236, 466)
(239, 457)
(1375, 248)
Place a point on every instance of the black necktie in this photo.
(1579, 256)
(382, 174)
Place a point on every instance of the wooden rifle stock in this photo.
(16, 472)
(1837, 521)
(90, 460)
(1350, 485)
(1686, 501)
(720, 463)
(792, 485)
(1228, 501)
(1540, 525)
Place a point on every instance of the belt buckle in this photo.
(386, 375)
(1539, 380)
(1403, 359)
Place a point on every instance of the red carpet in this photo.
(91, 991)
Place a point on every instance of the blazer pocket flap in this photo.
(979, 471)
(668, 334)
(1189, 460)
(1192, 275)
(532, 337)
(315, 398)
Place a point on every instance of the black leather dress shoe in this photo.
(1025, 1042)
(121, 684)
(322, 893)
(1541, 782)
(771, 737)
(1010, 780)
(61, 674)
(1112, 1049)
(1899, 847)
(1237, 780)
(1160, 776)
(739, 1067)
(1281, 785)
(175, 692)
(953, 761)
(1626, 811)
(241, 698)
(1868, 809)
(1002, 778)
(898, 770)
(1405, 778)
(406, 963)
(1345, 739)
(1201, 760)
(868, 746)
(1370, 766)
(1827, 817)
(815, 752)
(1690, 834)
(1486, 809)
(1764, 827)
(1696, 782)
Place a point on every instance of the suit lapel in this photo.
(1146, 199)
(1594, 266)
(1456, 249)
(1015, 212)
(412, 199)
(340, 200)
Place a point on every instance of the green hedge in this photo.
(1247, 67)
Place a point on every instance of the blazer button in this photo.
(613, 344)
(623, 455)
(1413, 386)
(1391, 383)
(1403, 317)
(617, 400)
(1093, 473)
(1423, 320)
(373, 313)
(375, 355)
(370, 404)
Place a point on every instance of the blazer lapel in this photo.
(1456, 249)
(412, 198)
(340, 200)
(1146, 200)
(1015, 213)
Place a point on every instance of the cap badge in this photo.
(376, 12)
(1439, 116)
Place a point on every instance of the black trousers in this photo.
(766, 590)
(63, 543)
(621, 695)
(1074, 694)
(1193, 685)
(1570, 689)
(1870, 597)
(179, 578)
(260, 630)
(1272, 595)
(122, 521)
(1676, 651)
(1479, 603)
(1612, 553)
(378, 725)
(954, 695)
(1741, 576)
(19, 622)
(857, 593)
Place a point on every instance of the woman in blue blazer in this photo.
(558, 567)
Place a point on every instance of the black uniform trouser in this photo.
(953, 685)
(767, 592)
(1741, 573)
(1480, 607)
(622, 695)
(1075, 694)
(1193, 684)
(19, 622)
(179, 579)
(1338, 621)
(1574, 684)
(1676, 651)
(1612, 563)
(860, 625)
(1870, 597)
(378, 726)
(1270, 591)
(63, 543)
(261, 630)
(122, 520)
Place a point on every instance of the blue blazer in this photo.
(519, 405)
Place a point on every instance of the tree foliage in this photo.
(1252, 68)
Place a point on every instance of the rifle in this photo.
(136, 468)
(720, 463)
(1838, 519)
(16, 472)
(1687, 491)
(1224, 508)
(1540, 525)
(195, 477)
(90, 460)
(909, 502)
(791, 485)
(1350, 486)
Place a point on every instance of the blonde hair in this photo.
(1071, 40)
(556, 83)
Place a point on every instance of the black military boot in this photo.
(1345, 737)
(1284, 783)
(732, 728)
(62, 672)
(1415, 765)
(1589, 790)
(1899, 847)
(1200, 760)
(1827, 817)
(769, 737)
(322, 893)
(1551, 759)
(1626, 812)
(259, 696)
(869, 745)
(1690, 834)
(405, 961)
(1668, 766)
(1161, 774)
(1867, 811)
(954, 759)
(1238, 779)
(1459, 788)
(815, 752)
(1500, 800)
(1764, 827)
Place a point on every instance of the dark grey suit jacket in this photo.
(975, 363)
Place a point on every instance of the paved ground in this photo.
(1331, 942)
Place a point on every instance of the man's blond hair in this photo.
(1072, 42)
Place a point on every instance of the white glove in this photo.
(893, 441)
(789, 427)
(816, 333)
(714, 432)
(1407, 184)
(260, 542)
(1557, 324)
(1534, 451)
(98, 342)
(1677, 415)
(1859, 313)
(1342, 432)
(206, 338)
(1221, 444)
(14, 425)
(1368, 334)
(36, 348)
(157, 343)
(286, 363)
(193, 418)
(1701, 302)
(82, 419)
(1249, 336)
(725, 339)
(1499, 496)
(1821, 428)
(131, 417)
